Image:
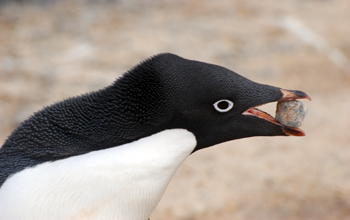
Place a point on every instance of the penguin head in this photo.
(212, 102)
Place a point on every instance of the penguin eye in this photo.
(223, 105)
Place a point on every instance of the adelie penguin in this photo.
(110, 154)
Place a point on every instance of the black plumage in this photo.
(163, 92)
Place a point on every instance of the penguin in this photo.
(110, 154)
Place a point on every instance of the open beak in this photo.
(288, 95)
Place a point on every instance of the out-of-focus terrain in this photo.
(51, 50)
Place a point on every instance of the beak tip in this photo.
(302, 94)
(294, 94)
(293, 131)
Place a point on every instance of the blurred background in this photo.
(51, 50)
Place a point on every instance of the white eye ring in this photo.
(223, 105)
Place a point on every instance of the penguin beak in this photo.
(293, 95)
(288, 95)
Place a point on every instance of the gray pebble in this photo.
(291, 113)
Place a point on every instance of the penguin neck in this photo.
(131, 108)
(127, 110)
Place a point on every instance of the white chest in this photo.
(124, 182)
